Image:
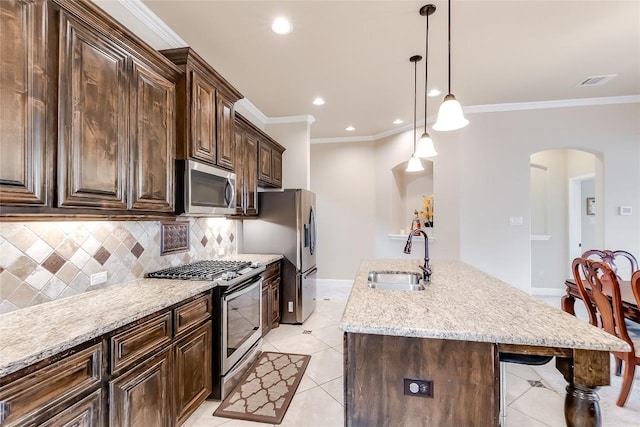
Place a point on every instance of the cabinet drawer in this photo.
(46, 388)
(133, 345)
(191, 314)
(272, 270)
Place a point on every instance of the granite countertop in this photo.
(32, 334)
(464, 303)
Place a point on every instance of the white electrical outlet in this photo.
(220, 251)
(98, 278)
(515, 220)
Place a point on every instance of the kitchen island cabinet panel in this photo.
(25, 107)
(142, 396)
(376, 367)
(93, 136)
(152, 140)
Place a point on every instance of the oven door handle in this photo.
(242, 288)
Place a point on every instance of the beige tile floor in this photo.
(535, 395)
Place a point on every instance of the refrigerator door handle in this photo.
(310, 272)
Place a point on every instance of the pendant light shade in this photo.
(425, 147)
(450, 116)
(414, 164)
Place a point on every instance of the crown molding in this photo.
(560, 103)
(291, 119)
(494, 108)
(151, 20)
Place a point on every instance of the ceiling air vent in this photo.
(596, 80)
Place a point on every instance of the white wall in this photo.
(342, 180)
(481, 177)
(294, 135)
(495, 153)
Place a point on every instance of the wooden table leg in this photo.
(582, 407)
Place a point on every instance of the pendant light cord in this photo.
(415, 101)
(426, 73)
(449, 15)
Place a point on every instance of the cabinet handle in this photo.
(5, 411)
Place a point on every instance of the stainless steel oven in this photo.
(237, 316)
(241, 320)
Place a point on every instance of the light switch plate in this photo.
(625, 210)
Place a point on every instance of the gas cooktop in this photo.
(201, 270)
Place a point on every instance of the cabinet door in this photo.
(225, 135)
(93, 112)
(276, 168)
(85, 413)
(251, 175)
(264, 162)
(152, 140)
(203, 119)
(24, 175)
(142, 396)
(266, 309)
(239, 136)
(192, 356)
(275, 302)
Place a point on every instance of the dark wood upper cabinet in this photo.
(246, 144)
(203, 123)
(269, 162)
(25, 103)
(87, 125)
(205, 111)
(93, 135)
(152, 140)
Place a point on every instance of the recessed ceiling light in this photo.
(318, 101)
(350, 128)
(398, 121)
(281, 25)
(434, 92)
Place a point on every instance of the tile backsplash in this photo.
(45, 261)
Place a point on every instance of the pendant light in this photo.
(450, 116)
(425, 146)
(415, 165)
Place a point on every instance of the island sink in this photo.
(394, 281)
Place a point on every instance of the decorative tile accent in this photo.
(137, 250)
(102, 255)
(43, 261)
(54, 263)
(174, 237)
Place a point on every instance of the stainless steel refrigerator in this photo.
(286, 224)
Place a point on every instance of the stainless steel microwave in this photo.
(204, 190)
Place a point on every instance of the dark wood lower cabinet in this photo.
(464, 377)
(86, 413)
(271, 297)
(192, 365)
(141, 397)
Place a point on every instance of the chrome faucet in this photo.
(426, 269)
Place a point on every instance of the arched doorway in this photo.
(562, 182)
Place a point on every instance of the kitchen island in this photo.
(446, 341)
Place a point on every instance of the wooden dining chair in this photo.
(612, 258)
(605, 295)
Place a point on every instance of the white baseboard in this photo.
(547, 292)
